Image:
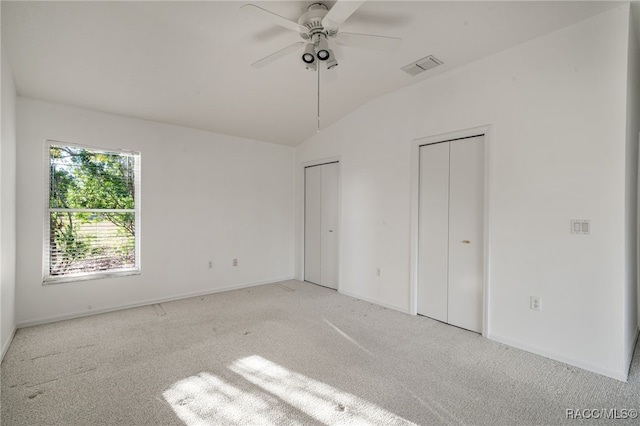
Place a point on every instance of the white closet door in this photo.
(329, 231)
(450, 241)
(433, 231)
(312, 224)
(466, 208)
(321, 225)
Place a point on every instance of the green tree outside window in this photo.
(92, 211)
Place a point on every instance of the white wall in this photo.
(633, 130)
(557, 107)
(205, 196)
(8, 207)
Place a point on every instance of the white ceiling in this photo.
(188, 63)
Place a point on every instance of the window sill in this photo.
(89, 276)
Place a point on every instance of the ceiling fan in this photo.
(317, 26)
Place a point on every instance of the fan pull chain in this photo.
(318, 130)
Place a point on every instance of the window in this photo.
(93, 216)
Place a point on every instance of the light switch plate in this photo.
(580, 226)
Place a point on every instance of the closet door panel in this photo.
(329, 226)
(466, 212)
(312, 224)
(433, 231)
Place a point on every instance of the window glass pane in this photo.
(89, 179)
(89, 233)
(91, 242)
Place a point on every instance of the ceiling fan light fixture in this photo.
(323, 55)
(308, 57)
(331, 61)
(323, 50)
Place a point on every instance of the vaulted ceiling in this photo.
(188, 63)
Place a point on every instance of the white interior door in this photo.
(329, 231)
(321, 225)
(312, 224)
(450, 241)
(433, 231)
(466, 208)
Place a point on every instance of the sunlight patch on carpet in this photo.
(208, 400)
(265, 393)
(318, 400)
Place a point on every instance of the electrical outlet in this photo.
(378, 271)
(235, 262)
(535, 303)
(210, 264)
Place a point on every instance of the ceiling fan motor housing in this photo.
(312, 20)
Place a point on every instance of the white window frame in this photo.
(136, 269)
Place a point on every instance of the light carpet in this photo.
(289, 353)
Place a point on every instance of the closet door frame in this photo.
(415, 213)
(300, 217)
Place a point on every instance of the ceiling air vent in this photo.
(422, 65)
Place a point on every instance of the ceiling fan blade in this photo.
(367, 41)
(339, 13)
(254, 10)
(277, 55)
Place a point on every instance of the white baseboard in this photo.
(55, 318)
(5, 345)
(404, 310)
(585, 365)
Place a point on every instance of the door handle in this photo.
(466, 242)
